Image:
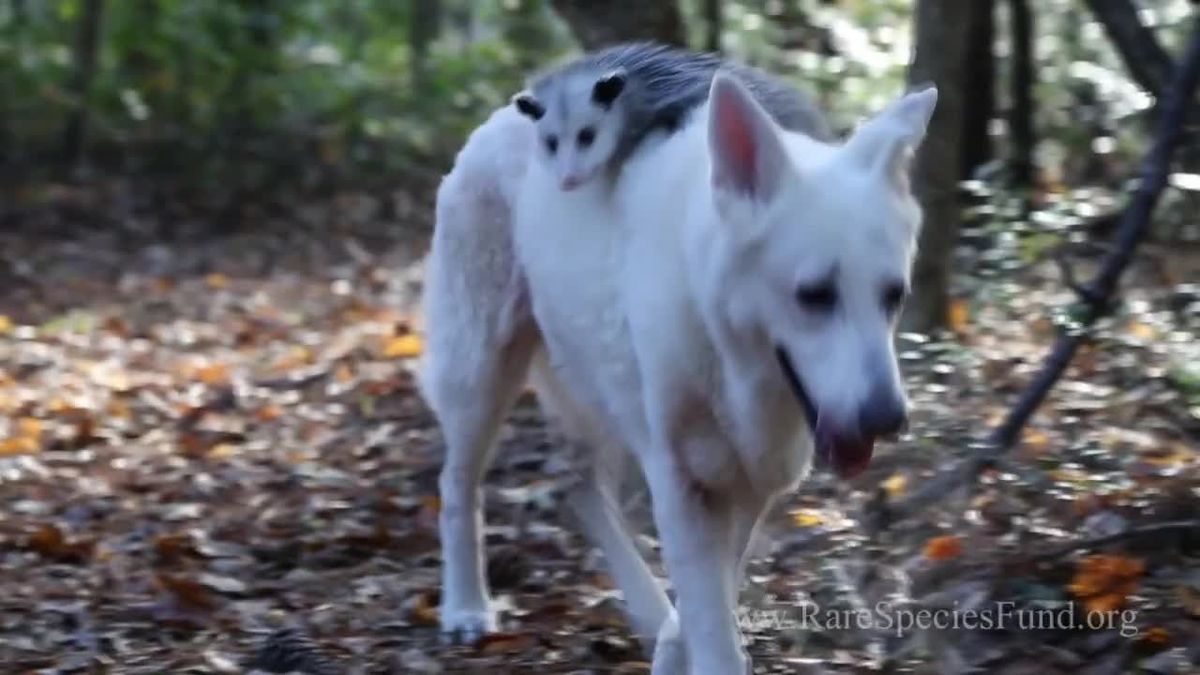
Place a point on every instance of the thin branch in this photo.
(1134, 225)
(1143, 531)
(1148, 62)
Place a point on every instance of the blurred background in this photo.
(212, 220)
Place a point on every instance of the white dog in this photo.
(724, 308)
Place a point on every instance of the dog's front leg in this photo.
(697, 529)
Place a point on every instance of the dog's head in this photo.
(823, 239)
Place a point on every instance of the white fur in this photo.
(650, 314)
(570, 110)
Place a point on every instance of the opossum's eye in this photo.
(819, 297)
(552, 144)
(893, 296)
(586, 136)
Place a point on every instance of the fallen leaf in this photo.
(189, 593)
(216, 280)
(424, 611)
(1157, 636)
(6, 325)
(946, 547)
(19, 445)
(958, 315)
(223, 451)
(1143, 331)
(50, 542)
(506, 643)
(1104, 581)
(895, 485)
(806, 518)
(171, 548)
(405, 346)
(269, 413)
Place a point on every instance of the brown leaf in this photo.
(506, 643)
(50, 542)
(188, 593)
(171, 548)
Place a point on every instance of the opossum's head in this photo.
(579, 122)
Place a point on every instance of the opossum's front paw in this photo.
(465, 625)
(669, 655)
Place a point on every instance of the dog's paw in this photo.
(465, 626)
(669, 655)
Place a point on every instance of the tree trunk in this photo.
(87, 43)
(941, 47)
(714, 20)
(1020, 114)
(979, 103)
(423, 27)
(1144, 56)
(598, 24)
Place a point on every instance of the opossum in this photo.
(593, 112)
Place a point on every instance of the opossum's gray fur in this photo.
(665, 84)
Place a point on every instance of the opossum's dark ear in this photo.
(529, 106)
(609, 87)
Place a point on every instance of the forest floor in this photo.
(213, 459)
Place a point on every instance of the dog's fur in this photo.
(728, 305)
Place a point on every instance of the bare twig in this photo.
(1148, 63)
(1144, 531)
(1134, 225)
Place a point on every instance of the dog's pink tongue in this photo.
(848, 456)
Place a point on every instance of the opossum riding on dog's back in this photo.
(592, 113)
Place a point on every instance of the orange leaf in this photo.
(1035, 439)
(216, 280)
(6, 325)
(958, 315)
(269, 413)
(19, 445)
(1157, 637)
(424, 611)
(405, 346)
(1103, 581)
(212, 374)
(947, 547)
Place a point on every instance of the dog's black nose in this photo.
(884, 414)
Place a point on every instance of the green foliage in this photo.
(276, 89)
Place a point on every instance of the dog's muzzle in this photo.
(848, 454)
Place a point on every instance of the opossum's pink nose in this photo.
(571, 182)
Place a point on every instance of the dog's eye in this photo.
(586, 136)
(820, 297)
(552, 144)
(893, 297)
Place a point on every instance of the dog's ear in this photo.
(609, 87)
(748, 158)
(529, 106)
(886, 142)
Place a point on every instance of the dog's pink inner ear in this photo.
(737, 146)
